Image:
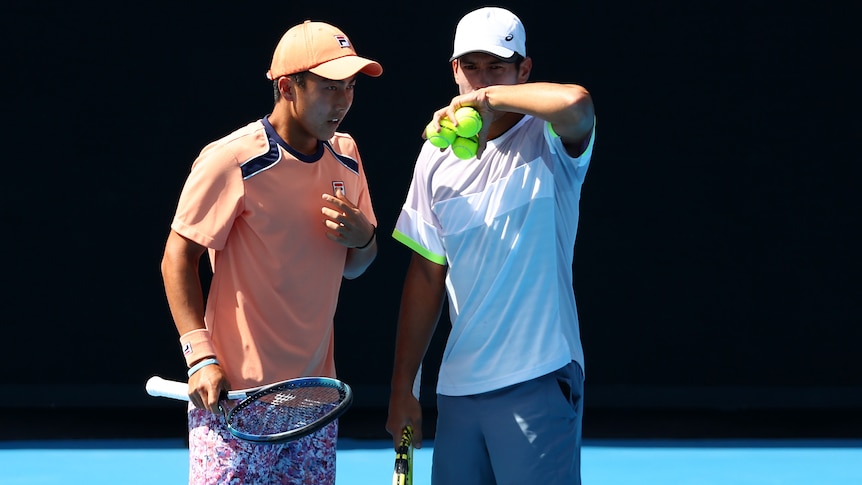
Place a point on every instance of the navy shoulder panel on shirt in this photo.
(273, 155)
(262, 162)
(350, 163)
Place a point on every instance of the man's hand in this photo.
(345, 223)
(206, 387)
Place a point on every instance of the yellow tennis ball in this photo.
(469, 121)
(465, 148)
(442, 138)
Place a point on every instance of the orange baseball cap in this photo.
(322, 49)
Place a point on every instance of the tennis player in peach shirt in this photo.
(283, 209)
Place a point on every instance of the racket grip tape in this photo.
(404, 457)
(158, 387)
(406, 436)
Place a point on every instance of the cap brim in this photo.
(344, 67)
(495, 51)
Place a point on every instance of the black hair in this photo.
(516, 59)
(297, 78)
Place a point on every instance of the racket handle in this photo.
(407, 436)
(158, 387)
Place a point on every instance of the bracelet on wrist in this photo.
(200, 365)
(373, 235)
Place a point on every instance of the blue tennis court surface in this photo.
(370, 462)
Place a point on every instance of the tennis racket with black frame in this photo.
(276, 413)
(403, 474)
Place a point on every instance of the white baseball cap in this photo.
(492, 30)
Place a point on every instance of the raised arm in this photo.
(568, 107)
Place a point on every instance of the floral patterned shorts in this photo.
(217, 457)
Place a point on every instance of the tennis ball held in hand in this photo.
(465, 148)
(469, 122)
(442, 138)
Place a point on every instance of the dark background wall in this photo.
(717, 261)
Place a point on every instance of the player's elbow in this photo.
(356, 264)
(352, 274)
(580, 107)
(576, 121)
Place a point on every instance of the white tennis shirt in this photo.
(506, 226)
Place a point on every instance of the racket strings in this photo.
(282, 411)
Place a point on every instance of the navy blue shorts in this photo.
(523, 434)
